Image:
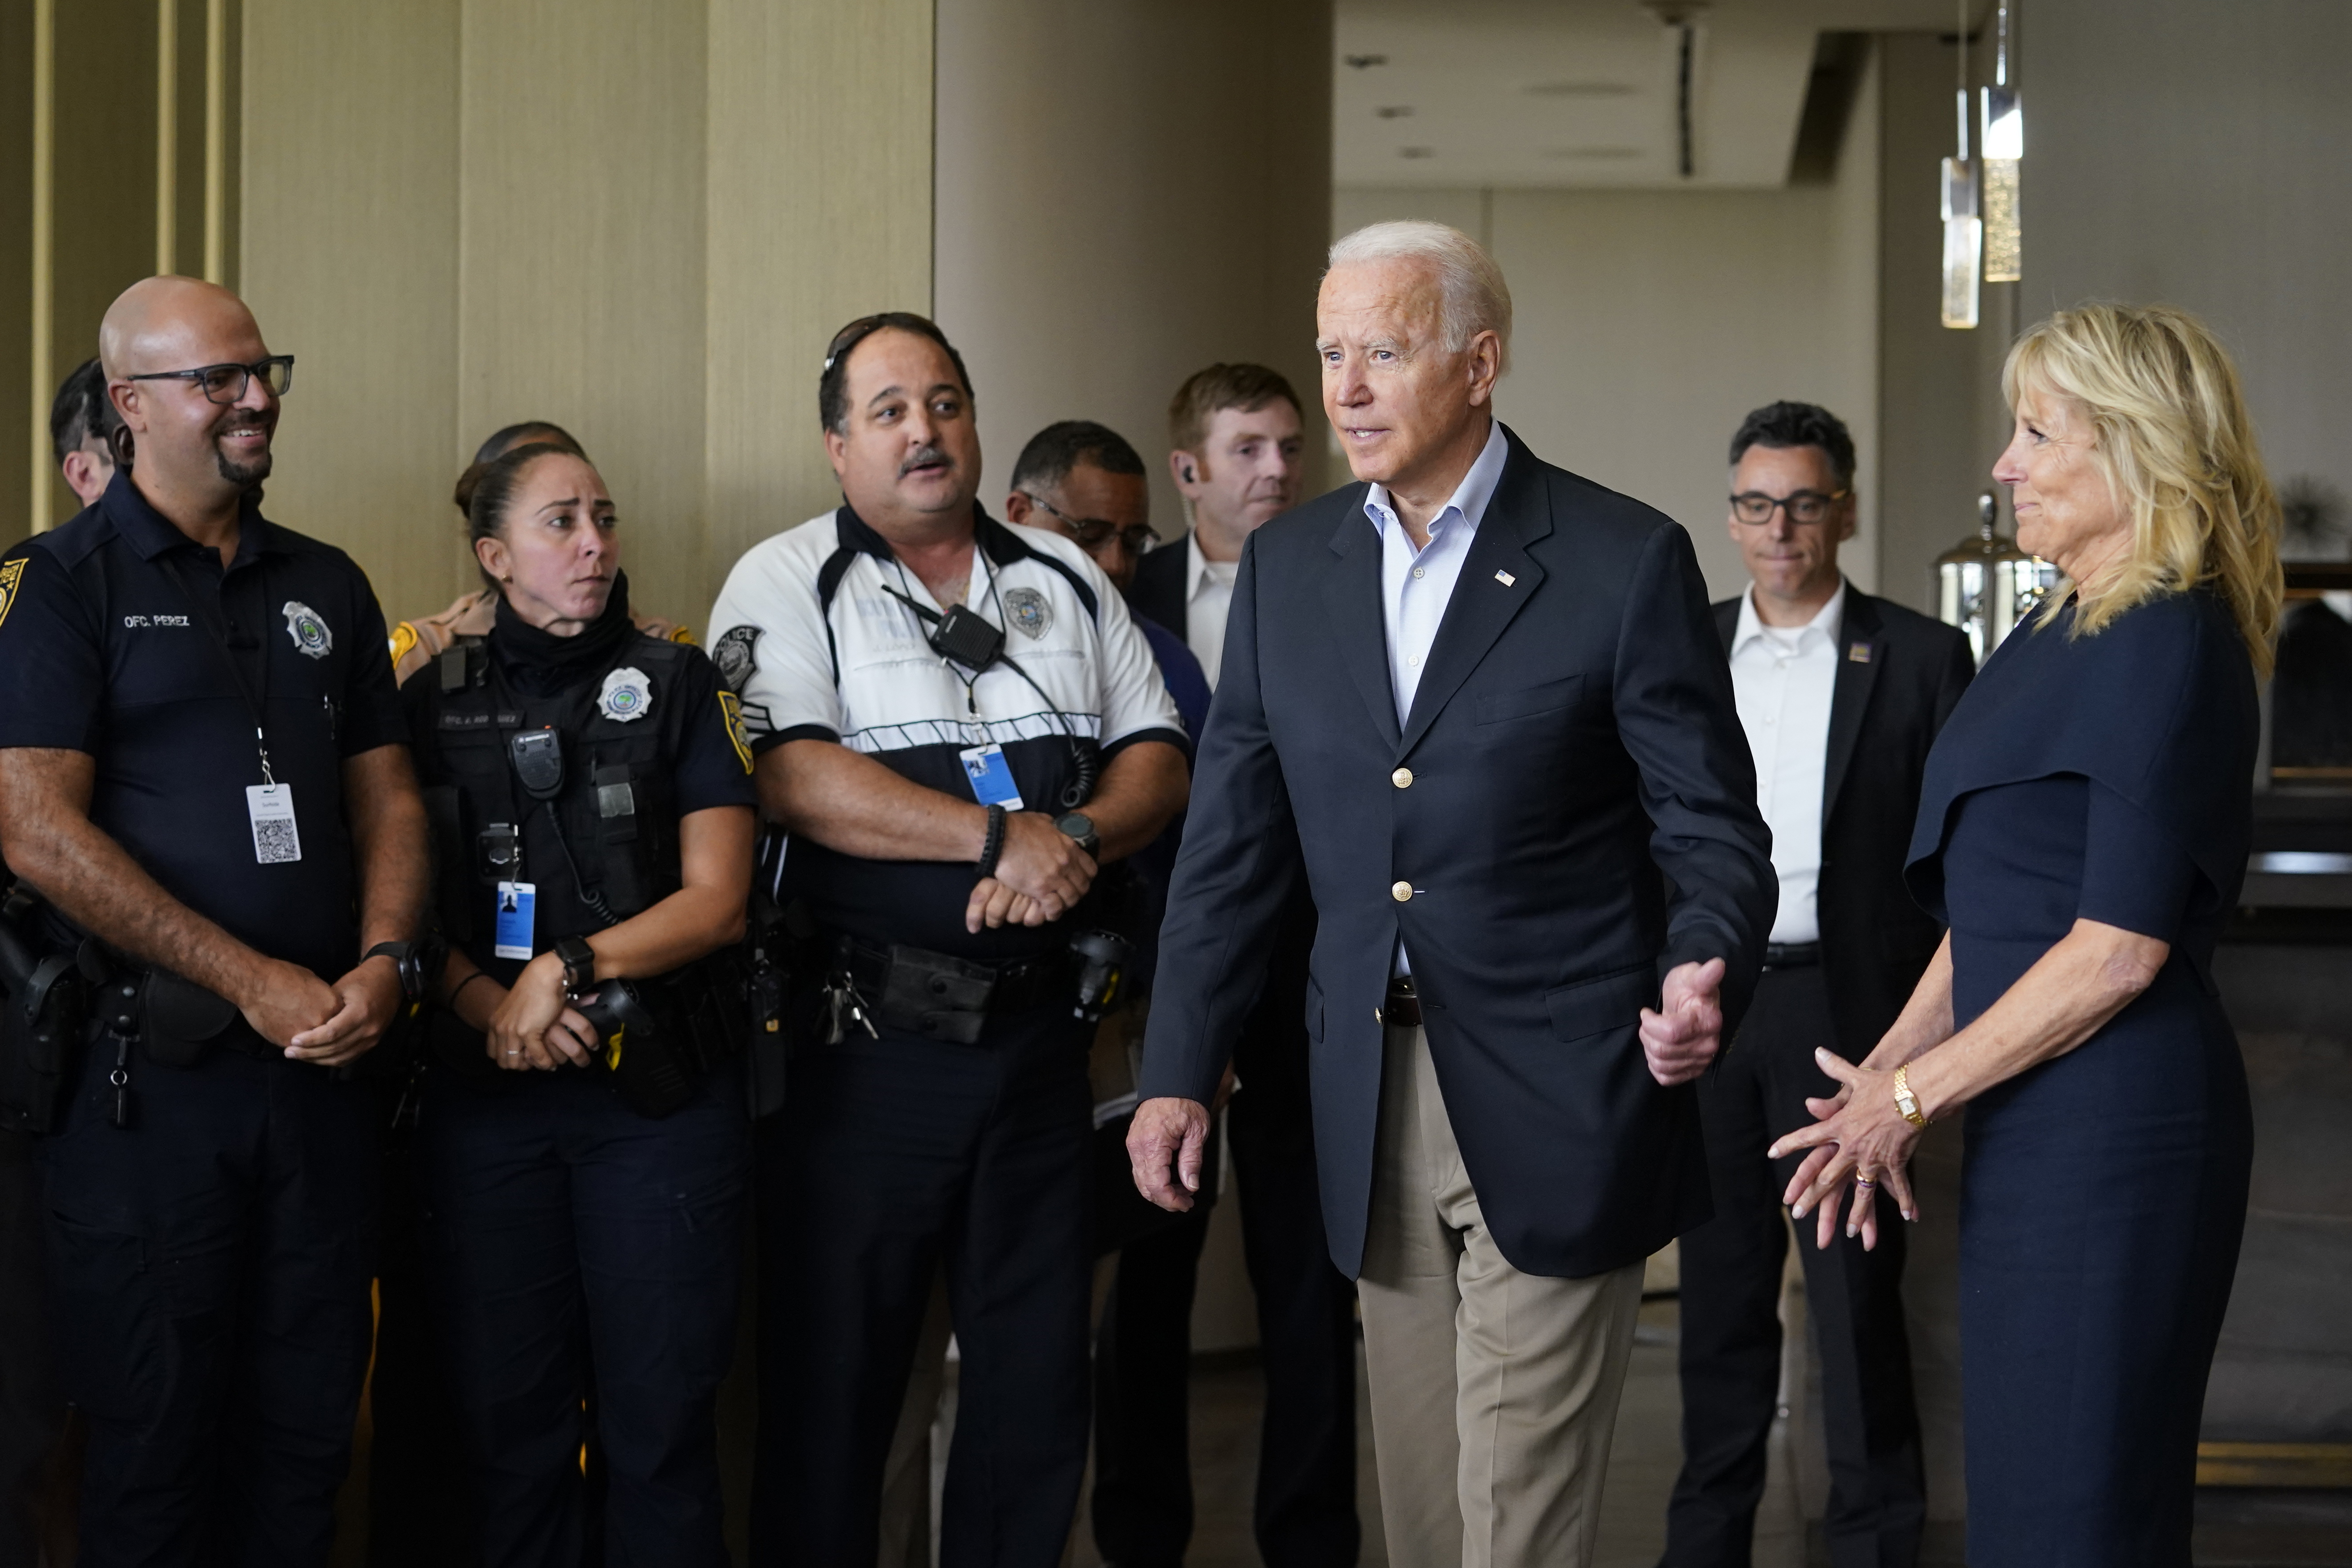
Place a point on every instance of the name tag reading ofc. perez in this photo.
(276, 839)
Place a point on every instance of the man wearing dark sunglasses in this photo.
(204, 775)
(1841, 694)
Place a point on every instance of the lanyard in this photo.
(207, 612)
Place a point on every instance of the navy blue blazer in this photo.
(1572, 804)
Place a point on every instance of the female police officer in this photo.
(585, 1142)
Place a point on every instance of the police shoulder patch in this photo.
(731, 707)
(737, 654)
(1029, 610)
(12, 573)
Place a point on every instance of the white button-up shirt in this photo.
(1416, 585)
(1208, 600)
(1783, 677)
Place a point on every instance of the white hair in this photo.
(1472, 296)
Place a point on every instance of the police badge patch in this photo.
(12, 573)
(737, 654)
(629, 695)
(1028, 609)
(310, 633)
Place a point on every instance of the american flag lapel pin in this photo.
(1505, 578)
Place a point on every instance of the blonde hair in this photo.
(1472, 296)
(2177, 447)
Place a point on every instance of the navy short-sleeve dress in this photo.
(2105, 777)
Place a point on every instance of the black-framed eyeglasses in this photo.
(1093, 532)
(225, 384)
(1756, 509)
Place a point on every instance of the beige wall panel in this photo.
(819, 189)
(1648, 323)
(2200, 155)
(1127, 192)
(350, 208)
(105, 177)
(581, 261)
(18, 406)
(1940, 407)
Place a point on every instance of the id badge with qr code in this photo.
(276, 841)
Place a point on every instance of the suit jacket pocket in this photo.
(1598, 1006)
(1528, 701)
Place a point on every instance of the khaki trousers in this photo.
(1494, 1392)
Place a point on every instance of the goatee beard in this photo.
(243, 475)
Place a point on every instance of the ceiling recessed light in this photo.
(1581, 90)
(1598, 153)
(1394, 112)
(1416, 151)
(1365, 62)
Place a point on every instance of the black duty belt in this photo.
(1791, 955)
(1402, 1009)
(942, 997)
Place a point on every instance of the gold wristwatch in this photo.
(1905, 1100)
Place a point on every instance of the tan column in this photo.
(350, 201)
(640, 220)
(820, 210)
(43, 304)
(1127, 192)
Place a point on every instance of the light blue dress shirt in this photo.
(1417, 584)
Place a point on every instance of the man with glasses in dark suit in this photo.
(1841, 694)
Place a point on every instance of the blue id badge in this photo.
(991, 777)
(512, 937)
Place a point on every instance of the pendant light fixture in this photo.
(1963, 228)
(2001, 137)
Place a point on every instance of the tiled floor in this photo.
(1643, 1461)
(2235, 1529)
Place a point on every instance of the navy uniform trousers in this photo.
(891, 1155)
(32, 1411)
(561, 1228)
(210, 1266)
(1305, 1512)
(1730, 1324)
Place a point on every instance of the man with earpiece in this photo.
(957, 723)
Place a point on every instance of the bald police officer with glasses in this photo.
(203, 774)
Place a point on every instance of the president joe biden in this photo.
(1480, 705)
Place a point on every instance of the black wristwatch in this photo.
(418, 963)
(1077, 825)
(579, 961)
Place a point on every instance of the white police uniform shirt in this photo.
(809, 635)
(1783, 677)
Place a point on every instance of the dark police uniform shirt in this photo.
(101, 652)
(709, 759)
(861, 671)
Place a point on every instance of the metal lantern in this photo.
(1986, 584)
